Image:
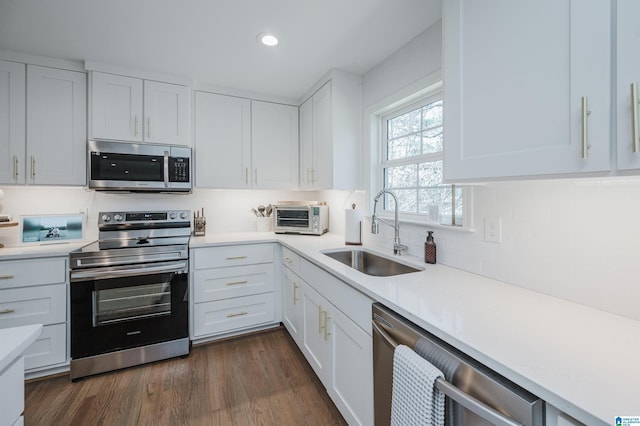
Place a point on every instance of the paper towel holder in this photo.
(358, 242)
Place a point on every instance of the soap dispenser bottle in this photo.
(430, 249)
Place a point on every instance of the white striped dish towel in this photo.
(414, 399)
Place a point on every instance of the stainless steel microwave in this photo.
(301, 218)
(121, 166)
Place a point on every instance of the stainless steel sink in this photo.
(370, 263)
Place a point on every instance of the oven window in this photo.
(114, 305)
(293, 218)
(127, 167)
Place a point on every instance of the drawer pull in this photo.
(236, 257)
(6, 277)
(295, 296)
(237, 314)
(237, 282)
(7, 311)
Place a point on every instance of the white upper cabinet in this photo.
(12, 122)
(131, 109)
(243, 143)
(274, 145)
(116, 107)
(56, 126)
(628, 80)
(330, 135)
(166, 110)
(222, 141)
(526, 88)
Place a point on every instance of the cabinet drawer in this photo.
(12, 392)
(215, 257)
(22, 273)
(291, 260)
(225, 283)
(33, 305)
(50, 348)
(232, 314)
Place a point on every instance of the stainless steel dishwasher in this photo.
(475, 395)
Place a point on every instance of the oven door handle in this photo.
(116, 273)
(462, 398)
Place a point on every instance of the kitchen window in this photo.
(412, 163)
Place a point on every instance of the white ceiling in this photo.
(214, 41)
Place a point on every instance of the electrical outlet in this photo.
(493, 229)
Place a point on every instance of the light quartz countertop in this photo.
(584, 361)
(15, 340)
(35, 251)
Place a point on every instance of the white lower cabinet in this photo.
(292, 304)
(34, 291)
(12, 393)
(233, 290)
(338, 346)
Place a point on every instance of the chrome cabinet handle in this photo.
(236, 257)
(585, 127)
(15, 167)
(237, 282)
(135, 126)
(313, 175)
(6, 277)
(33, 167)
(246, 176)
(295, 290)
(319, 319)
(7, 311)
(326, 325)
(308, 174)
(148, 127)
(635, 131)
(237, 314)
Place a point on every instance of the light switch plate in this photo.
(493, 229)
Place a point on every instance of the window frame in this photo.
(398, 109)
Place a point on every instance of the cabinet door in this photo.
(12, 122)
(628, 80)
(514, 88)
(166, 110)
(274, 145)
(116, 107)
(292, 304)
(222, 141)
(314, 346)
(306, 145)
(56, 126)
(323, 143)
(351, 384)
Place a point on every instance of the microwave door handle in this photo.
(166, 169)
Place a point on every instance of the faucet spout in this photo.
(398, 248)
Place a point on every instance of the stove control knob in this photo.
(172, 215)
(183, 215)
(106, 218)
(118, 218)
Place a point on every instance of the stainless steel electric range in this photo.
(129, 292)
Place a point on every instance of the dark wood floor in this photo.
(261, 379)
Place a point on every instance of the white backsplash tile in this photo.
(577, 239)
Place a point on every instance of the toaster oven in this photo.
(301, 218)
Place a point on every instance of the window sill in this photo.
(429, 225)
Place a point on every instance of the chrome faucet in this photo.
(397, 247)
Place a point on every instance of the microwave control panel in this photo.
(178, 169)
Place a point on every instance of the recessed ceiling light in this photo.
(267, 39)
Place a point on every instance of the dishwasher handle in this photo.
(467, 401)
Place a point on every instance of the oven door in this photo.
(293, 220)
(130, 306)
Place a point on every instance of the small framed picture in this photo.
(49, 229)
